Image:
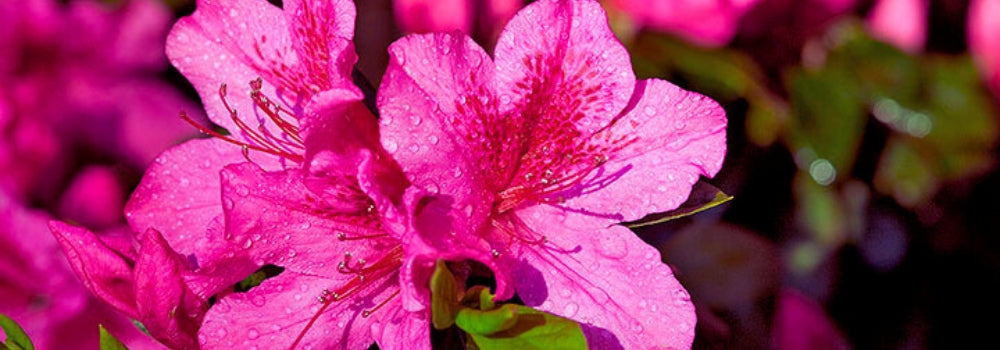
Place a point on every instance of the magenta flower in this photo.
(474, 17)
(291, 192)
(984, 39)
(81, 76)
(38, 289)
(145, 283)
(711, 23)
(801, 323)
(902, 23)
(526, 163)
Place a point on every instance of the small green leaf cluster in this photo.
(488, 325)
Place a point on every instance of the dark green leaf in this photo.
(904, 174)
(109, 342)
(703, 196)
(532, 329)
(17, 339)
(828, 117)
(444, 296)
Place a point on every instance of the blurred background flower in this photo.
(863, 140)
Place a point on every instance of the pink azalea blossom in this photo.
(474, 17)
(79, 78)
(984, 39)
(900, 22)
(286, 188)
(526, 162)
(712, 23)
(39, 291)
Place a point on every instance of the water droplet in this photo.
(248, 244)
(222, 332)
(650, 111)
(414, 148)
(570, 310)
(258, 300)
(391, 146)
(433, 139)
(243, 191)
(610, 245)
(253, 334)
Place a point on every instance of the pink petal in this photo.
(399, 329)
(103, 272)
(209, 51)
(425, 16)
(330, 113)
(276, 219)
(180, 193)
(170, 311)
(984, 39)
(606, 278)
(900, 22)
(678, 135)
(571, 65)
(431, 236)
(274, 313)
(220, 264)
(417, 123)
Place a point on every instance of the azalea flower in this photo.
(81, 78)
(481, 19)
(902, 23)
(288, 187)
(710, 23)
(39, 291)
(526, 162)
(984, 39)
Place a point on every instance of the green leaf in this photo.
(904, 174)
(109, 342)
(829, 117)
(479, 297)
(703, 196)
(444, 296)
(474, 321)
(531, 329)
(17, 339)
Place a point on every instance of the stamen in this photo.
(369, 312)
(344, 237)
(260, 138)
(384, 267)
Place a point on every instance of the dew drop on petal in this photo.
(570, 310)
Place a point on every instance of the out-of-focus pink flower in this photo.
(38, 289)
(526, 162)
(984, 39)
(94, 198)
(711, 22)
(479, 18)
(900, 22)
(801, 323)
(291, 192)
(76, 77)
